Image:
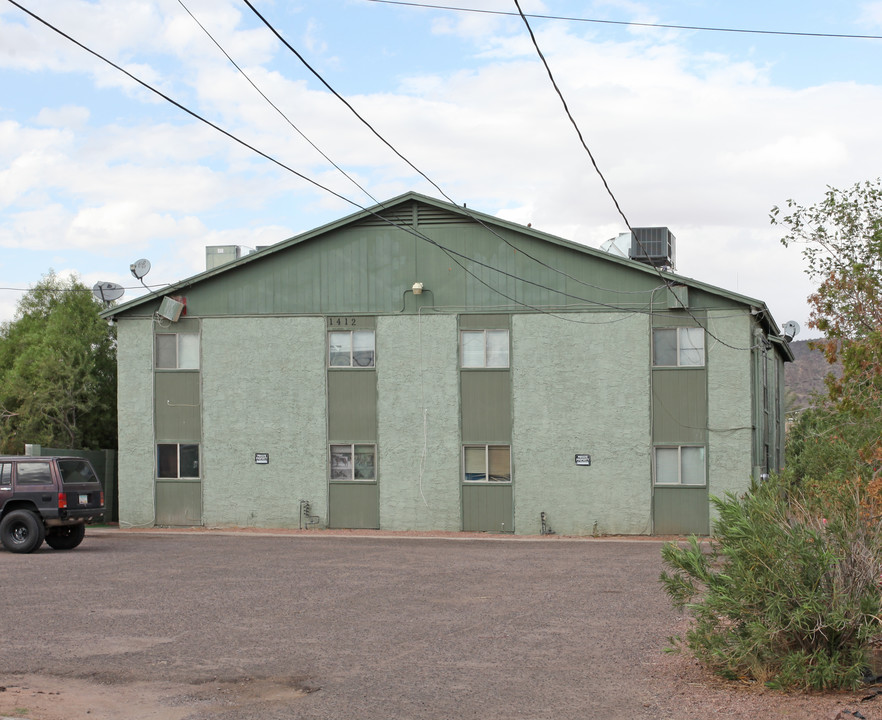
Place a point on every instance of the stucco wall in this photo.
(581, 387)
(418, 451)
(263, 391)
(729, 402)
(135, 409)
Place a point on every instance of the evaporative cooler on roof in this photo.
(654, 246)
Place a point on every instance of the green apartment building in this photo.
(422, 366)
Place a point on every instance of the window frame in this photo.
(679, 449)
(353, 365)
(486, 348)
(178, 476)
(487, 476)
(681, 347)
(353, 463)
(45, 479)
(178, 339)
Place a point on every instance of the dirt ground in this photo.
(233, 626)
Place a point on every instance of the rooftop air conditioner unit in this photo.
(654, 246)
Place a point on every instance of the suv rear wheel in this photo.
(21, 531)
(66, 537)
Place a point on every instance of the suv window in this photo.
(76, 471)
(33, 473)
(6, 474)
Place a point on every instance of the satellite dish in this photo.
(107, 291)
(140, 268)
(790, 330)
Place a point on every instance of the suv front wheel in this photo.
(21, 531)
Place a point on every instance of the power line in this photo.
(665, 26)
(178, 105)
(275, 107)
(453, 255)
(667, 282)
(388, 144)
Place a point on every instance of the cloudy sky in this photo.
(699, 130)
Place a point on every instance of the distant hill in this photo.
(805, 375)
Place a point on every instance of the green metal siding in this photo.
(353, 505)
(370, 267)
(679, 406)
(178, 502)
(352, 406)
(487, 508)
(486, 406)
(177, 409)
(484, 322)
(681, 511)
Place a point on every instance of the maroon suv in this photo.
(47, 498)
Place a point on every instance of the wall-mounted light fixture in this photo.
(417, 288)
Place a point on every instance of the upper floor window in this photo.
(351, 348)
(678, 347)
(484, 348)
(177, 351)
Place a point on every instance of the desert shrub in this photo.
(781, 595)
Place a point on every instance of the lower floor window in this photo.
(681, 465)
(177, 460)
(353, 462)
(486, 463)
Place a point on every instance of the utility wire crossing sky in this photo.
(699, 130)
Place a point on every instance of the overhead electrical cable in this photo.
(663, 26)
(452, 254)
(178, 105)
(275, 107)
(668, 282)
(388, 144)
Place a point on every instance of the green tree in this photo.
(57, 370)
(841, 237)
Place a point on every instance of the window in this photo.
(6, 474)
(76, 471)
(678, 347)
(174, 460)
(484, 348)
(486, 463)
(353, 462)
(177, 351)
(683, 465)
(33, 473)
(351, 348)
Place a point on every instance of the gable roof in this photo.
(412, 210)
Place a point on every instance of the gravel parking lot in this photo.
(312, 625)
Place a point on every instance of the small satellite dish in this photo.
(140, 268)
(790, 330)
(107, 291)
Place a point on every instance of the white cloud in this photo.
(871, 14)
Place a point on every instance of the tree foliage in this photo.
(57, 370)
(841, 237)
